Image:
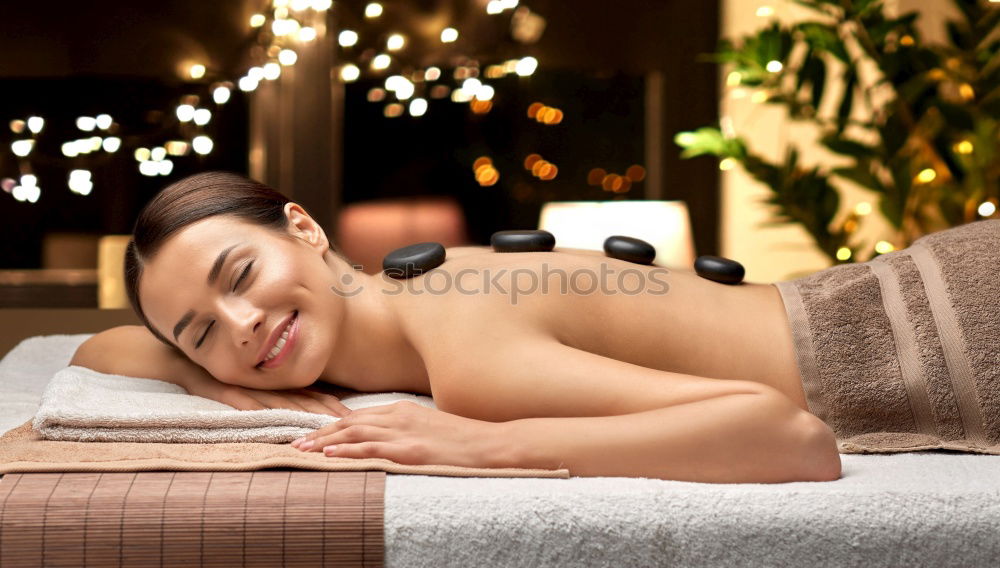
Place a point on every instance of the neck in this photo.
(372, 352)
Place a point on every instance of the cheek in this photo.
(220, 362)
(226, 373)
(279, 280)
(298, 283)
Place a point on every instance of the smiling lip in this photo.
(273, 338)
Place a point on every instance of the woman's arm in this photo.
(133, 351)
(600, 416)
(536, 403)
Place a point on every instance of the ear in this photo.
(302, 226)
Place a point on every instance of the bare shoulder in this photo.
(100, 349)
(132, 350)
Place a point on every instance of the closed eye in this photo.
(244, 274)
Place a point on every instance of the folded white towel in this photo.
(82, 405)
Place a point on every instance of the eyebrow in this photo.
(213, 275)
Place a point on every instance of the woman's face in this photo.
(226, 291)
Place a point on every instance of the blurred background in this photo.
(391, 122)
(493, 109)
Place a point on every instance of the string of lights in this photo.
(371, 43)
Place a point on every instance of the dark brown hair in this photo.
(190, 200)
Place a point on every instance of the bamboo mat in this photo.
(255, 518)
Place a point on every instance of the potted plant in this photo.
(925, 139)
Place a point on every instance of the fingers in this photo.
(270, 400)
(398, 453)
(352, 427)
(239, 399)
(313, 405)
(329, 401)
(355, 434)
(291, 400)
(380, 408)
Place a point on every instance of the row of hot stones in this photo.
(414, 260)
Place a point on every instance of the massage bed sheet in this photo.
(934, 508)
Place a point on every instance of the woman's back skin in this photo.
(665, 319)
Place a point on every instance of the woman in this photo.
(654, 373)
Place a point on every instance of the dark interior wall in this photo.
(68, 59)
(602, 128)
(119, 190)
(635, 37)
(643, 36)
(112, 37)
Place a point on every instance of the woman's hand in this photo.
(306, 400)
(242, 398)
(309, 399)
(408, 433)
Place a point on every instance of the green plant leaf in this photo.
(803, 74)
(894, 199)
(942, 145)
(823, 6)
(866, 7)
(891, 211)
(849, 147)
(879, 27)
(709, 140)
(957, 117)
(812, 73)
(844, 112)
(824, 38)
(917, 87)
(894, 134)
(919, 123)
(992, 107)
(818, 83)
(905, 63)
(952, 210)
(985, 25)
(959, 35)
(862, 176)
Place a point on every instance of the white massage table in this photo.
(911, 509)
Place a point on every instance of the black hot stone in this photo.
(523, 241)
(629, 249)
(413, 260)
(719, 269)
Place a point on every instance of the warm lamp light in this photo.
(368, 230)
(111, 272)
(586, 224)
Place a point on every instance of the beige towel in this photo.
(901, 353)
(83, 405)
(23, 450)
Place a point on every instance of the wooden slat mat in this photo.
(252, 518)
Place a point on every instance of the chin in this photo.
(306, 383)
(296, 378)
(314, 355)
(306, 373)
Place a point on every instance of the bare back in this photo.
(665, 319)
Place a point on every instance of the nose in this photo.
(244, 319)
